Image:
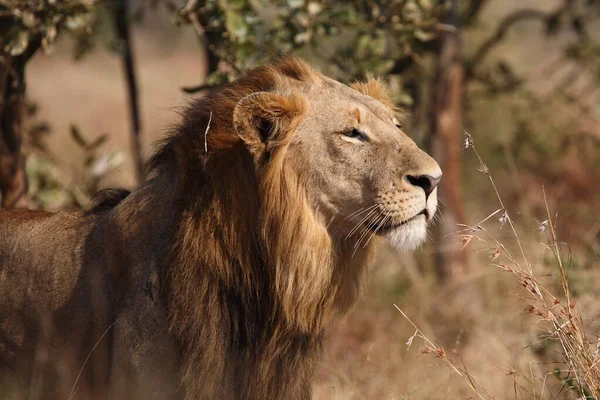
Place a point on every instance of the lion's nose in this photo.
(426, 182)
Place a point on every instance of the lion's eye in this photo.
(355, 134)
(398, 125)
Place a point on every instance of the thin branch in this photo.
(206, 140)
(442, 355)
(198, 88)
(473, 10)
(87, 359)
(122, 28)
(13, 180)
(549, 18)
(188, 12)
(501, 31)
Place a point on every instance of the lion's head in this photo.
(362, 173)
(316, 168)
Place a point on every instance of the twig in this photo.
(563, 276)
(122, 28)
(501, 31)
(512, 227)
(88, 357)
(198, 88)
(189, 6)
(467, 379)
(206, 141)
(188, 12)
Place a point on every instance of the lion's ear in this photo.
(265, 121)
(377, 89)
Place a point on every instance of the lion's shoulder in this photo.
(107, 199)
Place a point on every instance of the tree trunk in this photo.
(446, 146)
(122, 29)
(13, 181)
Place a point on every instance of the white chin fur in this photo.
(408, 237)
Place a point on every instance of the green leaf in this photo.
(314, 8)
(78, 136)
(216, 78)
(19, 43)
(424, 36)
(363, 43)
(246, 51)
(236, 26)
(302, 37)
(378, 44)
(295, 3)
(28, 19)
(237, 5)
(404, 99)
(76, 22)
(345, 16)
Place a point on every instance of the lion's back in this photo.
(40, 253)
(46, 292)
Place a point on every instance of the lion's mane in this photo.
(253, 275)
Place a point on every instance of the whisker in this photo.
(360, 211)
(388, 216)
(366, 230)
(363, 233)
(330, 221)
(429, 236)
(358, 225)
(374, 231)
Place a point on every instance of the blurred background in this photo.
(504, 93)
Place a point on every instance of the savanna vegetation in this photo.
(504, 300)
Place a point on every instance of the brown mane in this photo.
(253, 271)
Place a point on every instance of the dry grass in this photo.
(533, 344)
(559, 316)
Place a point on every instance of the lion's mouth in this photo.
(386, 228)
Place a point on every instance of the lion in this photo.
(218, 277)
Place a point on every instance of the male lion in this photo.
(216, 279)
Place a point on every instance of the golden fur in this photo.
(219, 276)
(296, 247)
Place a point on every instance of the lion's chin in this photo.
(408, 236)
